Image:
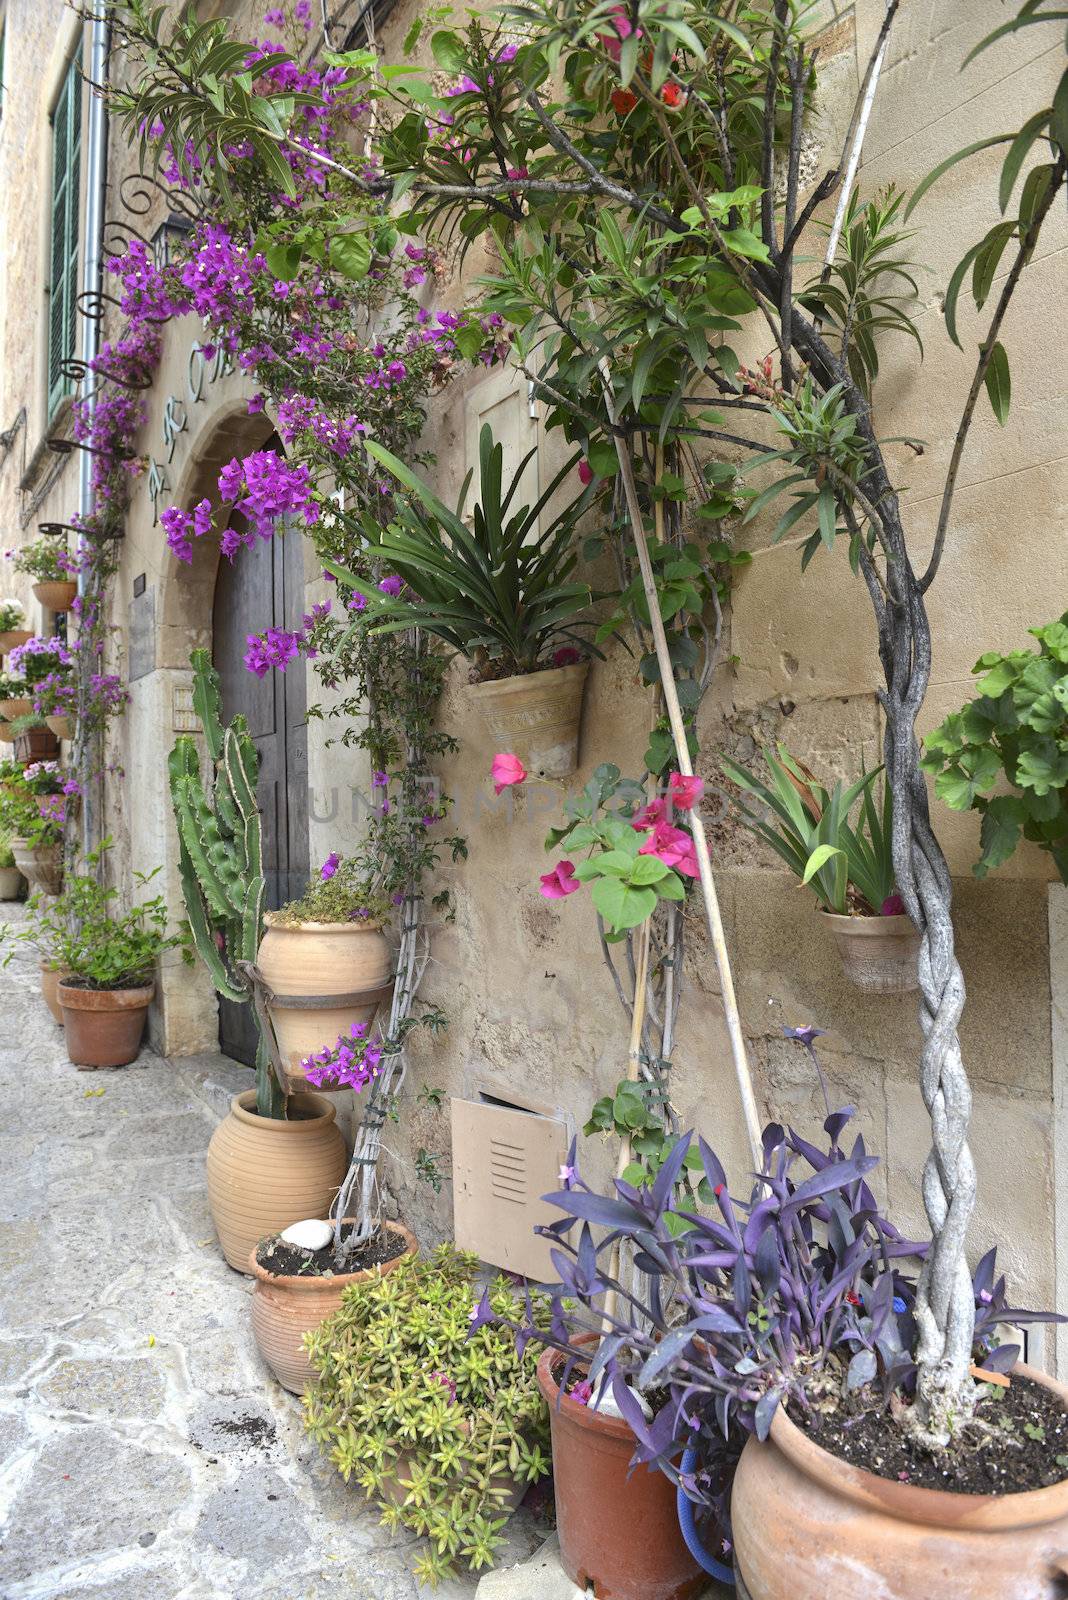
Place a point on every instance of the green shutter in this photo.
(63, 265)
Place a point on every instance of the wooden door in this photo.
(264, 588)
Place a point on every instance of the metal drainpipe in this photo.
(92, 264)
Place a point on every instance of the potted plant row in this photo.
(500, 591)
(839, 844)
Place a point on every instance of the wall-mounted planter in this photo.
(19, 706)
(342, 970)
(56, 594)
(536, 717)
(284, 1309)
(808, 1526)
(11, 881)
(62, 727)
(41, 867)
(878, 954)
(13, 638)
(104, 1027)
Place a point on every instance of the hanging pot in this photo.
(342, 969)
(11, 881)
(42, 866)
(104, 1027)
(50, 981)
(62, 727)
(18, 706)
(284, 1309)
(56, 594)
(536, 717)
(265, 1173)
(808, 1526)
(13, 638)
(878, 954)
(619, 1530)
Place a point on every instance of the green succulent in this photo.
(433, 1421)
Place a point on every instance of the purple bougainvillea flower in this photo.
(330, 866)
(379, 780)
(358, 601)
(391, 586)
(507, 770)
(685, 792)
(560, 882)
(566, 656)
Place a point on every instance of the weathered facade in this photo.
(532, 1014)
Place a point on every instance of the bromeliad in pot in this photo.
(847, 863)
(498, 590)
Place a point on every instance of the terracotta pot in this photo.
(42, 867)
(13, 638)
(50, 979)
(104, 1026)
(319, 959)
(18, 706)
(11, 881)
(536, 717)
(619, 1530)
(56, 594)
(62, 727)
(808, 1526)
(878, 954)
(284, 1309)
(264, 1173)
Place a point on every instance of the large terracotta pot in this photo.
(50, 977)
(285, 1309)
(619, 1530)
(317, 960)
(42, 867)
(104, 1026)
(878, 954)
(13, 638)
(536, 717)
(56, 594)
(11, 881)
(265, 1173)
(808, 1526)
(62, 727)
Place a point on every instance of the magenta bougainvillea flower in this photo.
(685, 792)
(649, 815)
(585, 472)
(673, 846)
(507, 770)
(560, 881)
(329, 866)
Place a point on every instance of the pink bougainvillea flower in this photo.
(561, 881)
(329, 866)
(685, 792)
(672, 846)
(649, 815)
(892, 906)
(507, 769)
(585, 472)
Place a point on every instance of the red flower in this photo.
(623, 101)
(672, 95)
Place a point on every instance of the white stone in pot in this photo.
(310, 1235)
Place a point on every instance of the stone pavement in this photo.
(145, 1453)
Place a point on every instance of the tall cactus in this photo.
(220, 843)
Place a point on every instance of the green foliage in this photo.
(499, 592)
(41, 560)
(21, 787)
(434, 1422)
(1014, 733)
(636, 1111)
(848, 864)
(7, 855)
(87, 935)
(345, 897)
(12, 616)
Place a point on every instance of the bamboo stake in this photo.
(682, 756)
(634, 1058)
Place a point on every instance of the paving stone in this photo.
(132, 1390)
(253, 1519)
(16, 1357)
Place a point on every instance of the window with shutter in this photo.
(63, 265)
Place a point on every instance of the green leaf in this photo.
(951, 161)
(283, 260)
(648, 869)
(819, 858)
(448, 50)
(999, 833)
(1018, 151)
(350, 253)
(620, 905)
(998, 384)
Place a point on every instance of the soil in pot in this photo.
(104, 1027)
(619, 1529)
(296, 1290)
(265, 1173)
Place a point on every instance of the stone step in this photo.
(543, 1578)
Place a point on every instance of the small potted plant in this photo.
(11, 879)
(848, 864)
(15, 702)
(52, 570)
(499, 592)
(33, 803)
(327, 945)
(12, 633)
(108, 959)
(431, 1406)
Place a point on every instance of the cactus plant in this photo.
(220, 847)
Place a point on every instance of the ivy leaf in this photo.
(998, 385)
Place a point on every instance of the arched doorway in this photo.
(263, 587)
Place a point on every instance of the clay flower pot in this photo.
(619, 1530)
(536, 717)
(284, 1309)
(41, 867)
(317, 960)
(62, 727)
(56, 594)
(265, 1173)
(7, 733)
(104, 1026)
(18, 706)
(50, 980)
(808, 1526)
(878, 954)
(13, 638)
(10, 883)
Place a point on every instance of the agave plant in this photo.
(813, 834)
(498, 592)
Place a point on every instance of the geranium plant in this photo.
(47, 560)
